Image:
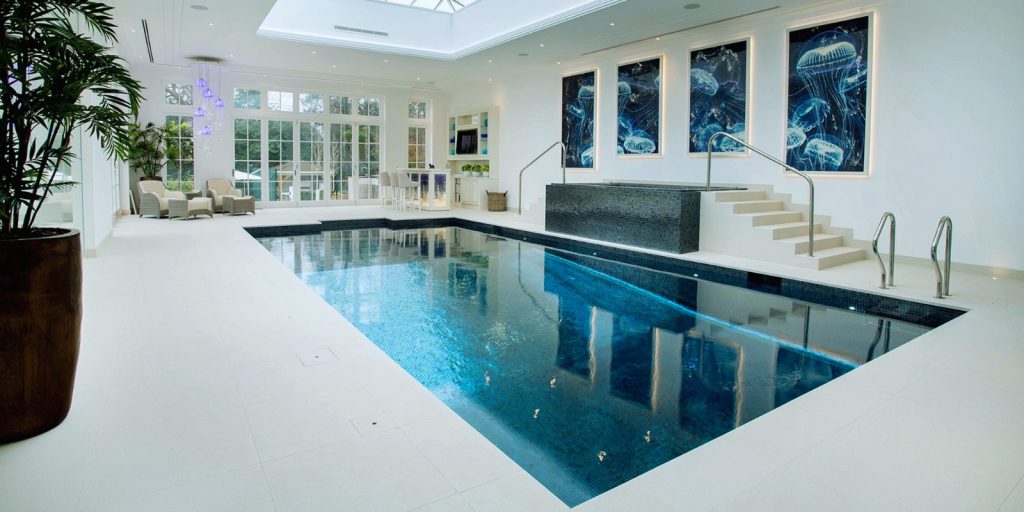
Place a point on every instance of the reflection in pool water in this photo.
(585, 372)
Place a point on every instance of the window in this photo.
(341, 105)
(180, 153)
(341, 159)
(311, 161)
(311, 103)
(280, 151)
(369, 107)
(417, 147)
(175, 94)
(280, 101)
(247, 157)
(417, 110)
(247, 98)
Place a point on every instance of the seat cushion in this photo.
(200, 203)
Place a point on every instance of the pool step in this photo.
(761, 225)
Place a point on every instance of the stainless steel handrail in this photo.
(810, 182)
(942, 284)
(541, 155)
(892, 247)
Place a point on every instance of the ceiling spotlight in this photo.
(490, 79)
(386, 61)
(612, 24)
(489, 61)
(231, 55)
(314, 52)
(418, 79)
(133, 31)
(211, 23)
(691, 6)
(657, 39)
(559, 62)
(542, 45)
(334, 65)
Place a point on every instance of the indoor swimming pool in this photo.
(585, 371)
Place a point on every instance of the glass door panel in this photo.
(368, 158)
(280, 150)
(341, 160)
(311, 162)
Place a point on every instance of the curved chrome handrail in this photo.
(541, 155)
(942, 284)
(892, 246)
(810, 182)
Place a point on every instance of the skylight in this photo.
(445, 6)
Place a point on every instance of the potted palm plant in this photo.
(145, 155)
(56, 81)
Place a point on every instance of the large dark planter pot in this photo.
(40, 328)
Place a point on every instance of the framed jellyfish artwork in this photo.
(639, 114)
(827, 112)
(719, 82)
(579, 120)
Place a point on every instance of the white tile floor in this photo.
(212, 379)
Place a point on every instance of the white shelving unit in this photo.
(471, 190)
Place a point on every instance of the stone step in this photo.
(730, 196)
(766, 218)
(827, 258)
(757, 206)
(789, 229)
(822, 241)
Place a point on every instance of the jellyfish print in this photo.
(639, 108)
(828, 81)
(718, 96)
(578, 95)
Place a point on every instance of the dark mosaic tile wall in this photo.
(664, 218)
(888, 307)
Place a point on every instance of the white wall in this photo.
(215, 158)
(946, 116)
(98, 183)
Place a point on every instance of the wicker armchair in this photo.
(153, 198)
(217, 189)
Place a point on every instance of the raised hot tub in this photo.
(655, 216)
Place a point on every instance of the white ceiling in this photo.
(228, 30)
(393, 28)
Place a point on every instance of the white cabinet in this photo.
(473, 191)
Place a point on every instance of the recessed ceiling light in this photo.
(657, 39)
(490, 79)
(199, 7)
(418, 79)
(542, 45)
(211, 23)
(691, 6)
(133, 31)
(313, 52)
(386, 61)
(559, 62)
(231, 55)
(334, 65)
(612, 24)
(489, 61)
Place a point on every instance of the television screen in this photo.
(465, 142)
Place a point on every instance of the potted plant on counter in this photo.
(56, 82)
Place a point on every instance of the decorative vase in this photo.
(40, 330)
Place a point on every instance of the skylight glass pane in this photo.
(445, 6)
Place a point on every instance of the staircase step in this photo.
(837, 256)
(821, 241)
(760, 205)
(766, 218)
(729, 196)
(789, 229)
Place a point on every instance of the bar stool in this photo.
(405, 185)
(386, 192)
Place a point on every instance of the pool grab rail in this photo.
(810, 182)
(892, 247)
(541, 155)
(942, 284)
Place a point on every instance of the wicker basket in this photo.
(497, 202)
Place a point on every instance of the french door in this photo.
(314, 162)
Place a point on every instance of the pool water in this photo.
(582, 378)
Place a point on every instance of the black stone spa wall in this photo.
(664, 217)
